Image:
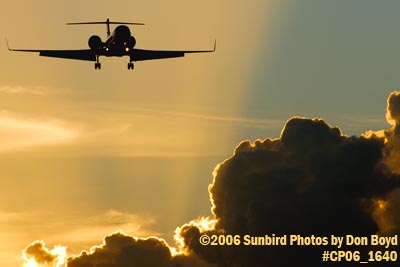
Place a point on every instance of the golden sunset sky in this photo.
(84, 153)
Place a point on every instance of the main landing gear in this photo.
(97, 65)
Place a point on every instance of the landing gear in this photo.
(130, 66)
(97, 65)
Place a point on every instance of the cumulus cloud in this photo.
(118, 250)
(393, 134)
(312, 180)
(36, 254)
(393, 110)
(122, 250)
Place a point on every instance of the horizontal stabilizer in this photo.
(105, 22)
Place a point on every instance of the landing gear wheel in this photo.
(130, 66)
(97, 66)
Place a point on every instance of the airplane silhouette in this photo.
(119, 43)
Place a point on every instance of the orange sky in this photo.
(79, 147)
(85, 152)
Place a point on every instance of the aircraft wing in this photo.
(83, 54)
(142, 54)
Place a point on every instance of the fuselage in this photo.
(119, 43)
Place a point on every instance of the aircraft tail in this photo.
(107, 22)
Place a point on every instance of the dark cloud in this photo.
(312, 171)
(313, 180)
(122, 250)
(393, 110)
(393, 134)
(38, 252)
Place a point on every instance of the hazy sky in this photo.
(85, 152)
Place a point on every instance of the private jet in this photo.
(119, 43)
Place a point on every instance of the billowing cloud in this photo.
(312, 180)
(393, 134)
(393, 109)
(118, 250)
(122, 250)
(37, 255)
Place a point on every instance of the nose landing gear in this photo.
(130, 66)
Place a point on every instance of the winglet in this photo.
(9, 49)
(215, 45)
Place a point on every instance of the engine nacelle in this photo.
(131, 42)
(95, 42)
